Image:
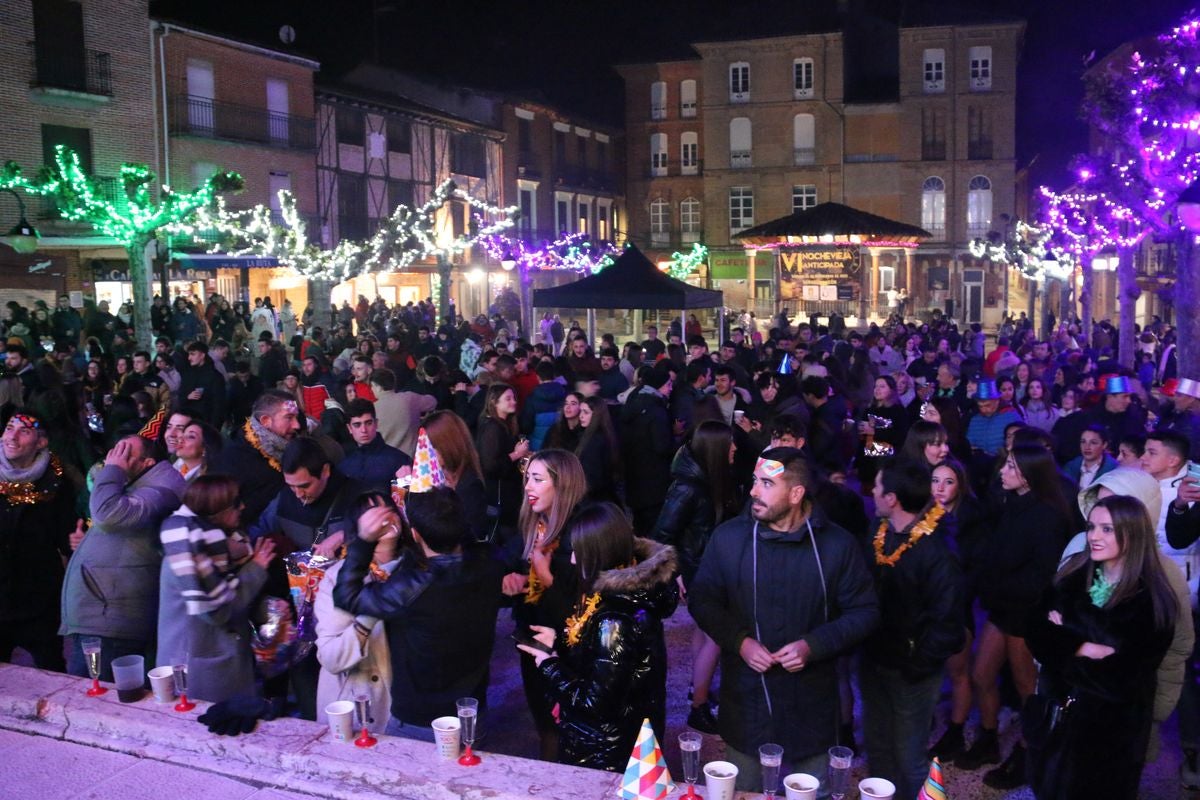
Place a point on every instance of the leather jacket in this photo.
(687, 518)
(616, 675)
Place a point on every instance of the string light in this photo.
(1028, 249)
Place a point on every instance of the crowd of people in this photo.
(903, 509)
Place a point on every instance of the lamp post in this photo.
(23, 237)
(1050, 267)
(1187, 282)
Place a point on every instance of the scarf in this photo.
(270, 444)
(199, 557)
(13, 474)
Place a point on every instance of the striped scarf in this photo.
(199, 557)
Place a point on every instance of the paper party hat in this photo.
(785, 365)
(646, 775)
(935, 784)
(426, 471)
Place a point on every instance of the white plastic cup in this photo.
(446, 735)
(801, 786)
(720, 778)
(162, 683)
(738, 416)
(876, 789)
(341, 720)
(128, 671)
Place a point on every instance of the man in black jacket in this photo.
(201, 388)
(648, 445)
(783, 592)
(439, 612)
(920, 588)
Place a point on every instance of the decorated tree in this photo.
(1146, 104)
(1028, 248)
(133, 220)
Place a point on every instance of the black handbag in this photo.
(493, 519)
(1041, 716)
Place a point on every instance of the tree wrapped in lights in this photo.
(1147, 106)
(404, 238)
(133, 223)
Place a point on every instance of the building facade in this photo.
(777, 131)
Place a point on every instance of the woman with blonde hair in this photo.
(543, 586)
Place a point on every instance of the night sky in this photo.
(563, 50)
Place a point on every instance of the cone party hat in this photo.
(646, 775)
(426, 471)
(935, 785)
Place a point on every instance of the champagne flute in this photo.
(468, 711)
(91, 651)
(770, 758)
(179, 672)
(840, 760)
(362, 706)
(689, 750)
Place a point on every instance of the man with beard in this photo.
(253, 456)
(783, 592)
(35, 522)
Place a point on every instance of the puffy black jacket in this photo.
(440, 620)
(920, 601)
(616, 675)
(688, 517)
(648, 447)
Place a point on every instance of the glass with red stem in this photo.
(689, 750)
(468, 712)
(179, 672)
(362, 707)
(91, 651)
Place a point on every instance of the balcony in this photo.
(933, 151)
(73, 70)
(200, 116)
(110, 189)
(977, 230)
(804, 155)
(585, 178)
(673, 168)
(979, 149)
(740, 159)
(938, 229)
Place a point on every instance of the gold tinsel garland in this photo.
(22, 493)
(252, 438)
(576, 622)
(923, 528)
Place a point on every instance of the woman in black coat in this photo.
(702, 495)
(598, 450)
(610, 671)
(1100, 632)
(500, 452)
(1019, 558)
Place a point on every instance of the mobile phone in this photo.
(1193, 471)
(525, 637)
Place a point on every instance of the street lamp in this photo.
(23, 237)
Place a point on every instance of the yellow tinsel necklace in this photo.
(252, 438)
(22, 493)
(533, 587)
(575, 623)
(921, 529)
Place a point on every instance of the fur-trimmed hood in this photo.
(649, 583)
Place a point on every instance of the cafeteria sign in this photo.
(812, 273)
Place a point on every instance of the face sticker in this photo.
(770, 468)
(290, 407)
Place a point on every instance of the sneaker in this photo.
(1011, 773)
(985, 750)
(701, 718)
(950, 746)
(1189, 773)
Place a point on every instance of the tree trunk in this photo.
(1127, 292)
(1065, 306)
(444, 274)
(141, 270)
(1085, 301)
(524, 279)
(1187, 306)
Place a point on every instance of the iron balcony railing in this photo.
(109, 188)
(200, 116)
(804, 155)
(76, 69)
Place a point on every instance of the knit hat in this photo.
(657, 378)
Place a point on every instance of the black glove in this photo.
(239, 714)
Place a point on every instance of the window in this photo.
(560, 149)
(527, 204)
(59, 54)
(933, 134)
(352, 206)
(934, 72)
(687, 98)
(741, 209)
(277, 111)
(803, 196)
(602, 231)
(933, 206)
(804, 139)
(351, 128)
(660, 222)
(979, 206)
(658, 100)
(741, 143)
(658, 154)
(202, 171)
(887, 280)
(524, 136)
(601, 156)
(581, 149)
(277, 182)
(585, 217)
(77, 139)
(400, 193)
(468, 155)
(689, 153)
(980, 62)
(739, 82)
(689, 220)
(399, 135)
(562, 212)
(200, 92)
(979, 134)
(802, 78)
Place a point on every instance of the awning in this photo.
(223, 261)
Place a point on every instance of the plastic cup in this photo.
(129, 674)
(162, 684)
(446, 735)
(801, 786)
(738, 416)
(341, 720)
(720, 779)
(876, 789)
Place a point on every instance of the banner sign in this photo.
(819, 273)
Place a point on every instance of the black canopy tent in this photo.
(631, 282)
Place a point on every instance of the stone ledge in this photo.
(290, 754)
